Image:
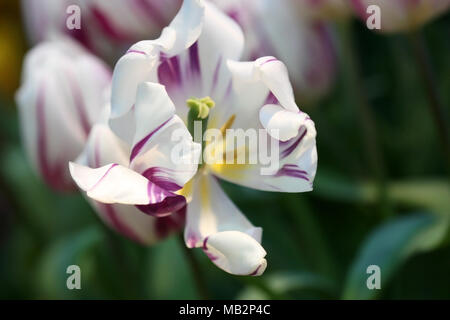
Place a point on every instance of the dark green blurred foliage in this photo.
(319, 244)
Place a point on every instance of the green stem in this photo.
(199, 280)
(310, 234)
(422, 57)
(129, 281)
(366, 116)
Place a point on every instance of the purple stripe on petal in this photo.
(194, 60)
(271, 99)
(138, 146)
(291, 146)
(205, 243)
(53, 175)
(169, 72)
(158, 176)
(166, 225)
(216, 74)
(161, 202)
(268, 61)
(254, 273)
(103, 177)
(228, 91)
(136, 51)
(205, 250)
(82, 36)
(292, 171)
(235, 15)
(108, 27)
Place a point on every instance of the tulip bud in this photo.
(60, 98)
(402, 15)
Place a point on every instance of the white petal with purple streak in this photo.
(212, 216)
(140, 62)
(112, 183)
(236, 253)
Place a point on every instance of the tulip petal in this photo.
(168, 155)
(112, 183)
(117, 184)
(273, 73)
(139, 64)
(221, 39)
(294, 167)
(104, 147)
(255, 84)
(159, 135)
(153, 109)
(214, 223)
(60, 98)
(236, 253)
(136, 225)
(201, 69)
(274, 117)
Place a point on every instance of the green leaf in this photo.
(282, 284)
(77, 250)
(170, 276)
(433, 195)
(429, 194)
(389, 246)
(332, 186)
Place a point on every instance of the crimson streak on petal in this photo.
(292, 170)
(137, 148)
(291, 145)
(161, 201)
(52, 175)
(158, 176)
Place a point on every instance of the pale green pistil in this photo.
(200, 107)
(199, 112)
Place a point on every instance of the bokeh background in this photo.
(381, 194)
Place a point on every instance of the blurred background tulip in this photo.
(324, 9)
(307, 45)
(402, 15)
(61, 96)
(107, 27)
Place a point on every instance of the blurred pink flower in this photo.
(61, 96)
(402, 15)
